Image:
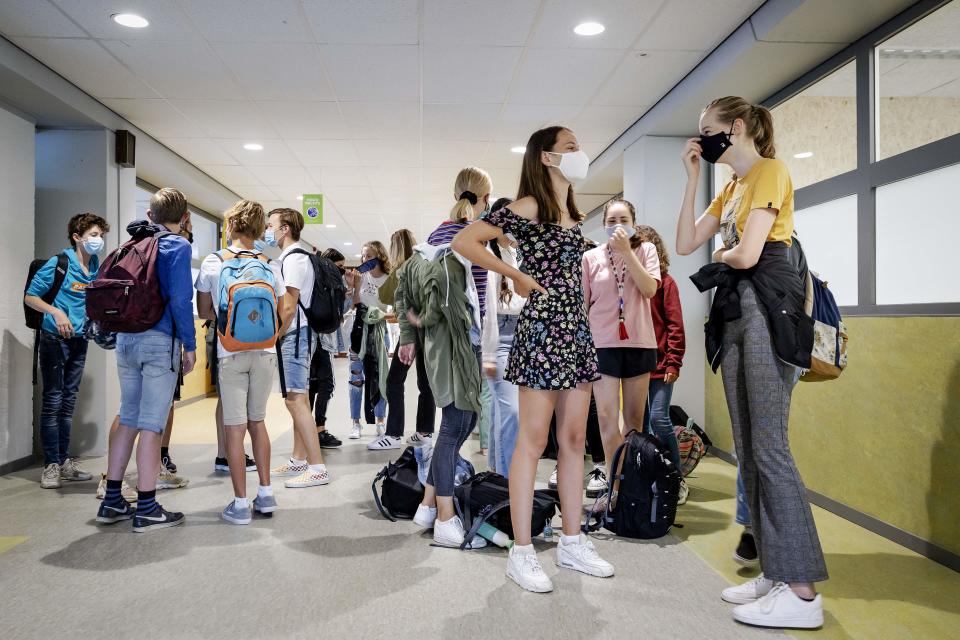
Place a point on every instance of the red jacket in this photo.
(668, 325)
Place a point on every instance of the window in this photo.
(205, 234)
(918, 82)
(816, 130)
(828, 233)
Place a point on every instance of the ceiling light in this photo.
(908, 50)
(347, 244)
(299, 197)
(926, 51)
(803, 154)
(131, 20)
(357, 255)
(589, 29)
(253, 146)
(889, 50)
(331, 226)
(518, 149)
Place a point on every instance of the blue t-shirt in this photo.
(72, 298)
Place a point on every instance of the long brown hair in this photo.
(401, 246)
(535, 179)
(646, 233)
(757, 119)
(380, 253)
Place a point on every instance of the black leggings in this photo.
(321, 385)
(396, 379)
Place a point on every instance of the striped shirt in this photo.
(444, 235)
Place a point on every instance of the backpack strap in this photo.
(482, 517)
(59, 275)
(599, 521)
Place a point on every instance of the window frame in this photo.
(194, 211)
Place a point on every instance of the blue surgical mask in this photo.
(270, 238)
(259, 245)
(612, 230)
(93, 245)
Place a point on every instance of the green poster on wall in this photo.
(313, 208)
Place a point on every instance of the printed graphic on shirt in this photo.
(728, 224)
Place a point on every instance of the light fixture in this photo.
(347, 244)
(299, 197)
(331, 226)
(131, 20)
(589, 29)
(253, 146)
(357, 255)
(926, 51)
(520, 149)
(803, 154)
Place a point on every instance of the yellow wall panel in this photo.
(197, 382)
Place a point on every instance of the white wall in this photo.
(16, 341)
(653, 180)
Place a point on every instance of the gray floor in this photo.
(326, 565)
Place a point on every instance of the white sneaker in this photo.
(384, 443)
(582, 556)
(308, 479)
(597, 483)
(525, 570)
(356, 431)
(381, 429)
(50, 478)
(167, 480)
(129, 493)
(552, 482)
(781, 608)
(684, 492)
(418, 438)
(288, 470)
(451, 533)
(425, 516)
(748, 591)
(70, 470)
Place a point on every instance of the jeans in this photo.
(148, 365)
(61, 368)
(456, 425)
(658, 417)
(506, 402)
(426, 408)
(743, 511)
(321, 384)
(357, 379)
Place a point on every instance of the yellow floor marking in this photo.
(9, 542)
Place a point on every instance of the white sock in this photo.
(570, 539)
(297, 463)
(316, 468)
(432, 509)
(264, 491)
(241, 503)
(524, 549)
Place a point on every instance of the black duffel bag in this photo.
(401, 492)
(485, 497)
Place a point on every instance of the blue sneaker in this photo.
(159, 518)
(110, 513)
(235, 515)
(265, 505)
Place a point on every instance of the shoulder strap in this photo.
(59, 275)
(376, 497)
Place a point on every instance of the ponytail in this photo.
(757, 120)
(472, 183)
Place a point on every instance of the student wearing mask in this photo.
(149, 365)
(401, 248)
(63, 348)
(322, 380)
(305, 468)
(754, 216)
(552, 359)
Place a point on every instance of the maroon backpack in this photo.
(126, 293)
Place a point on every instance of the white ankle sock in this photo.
(264, 491)
(241, 503)
(297, 463)
(316, 468)
(524, 549)
(570, 539)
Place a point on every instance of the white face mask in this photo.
(612, 230)
(573, 165)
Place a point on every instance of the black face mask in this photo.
(190, 237)
(342, 271)
(714, 146)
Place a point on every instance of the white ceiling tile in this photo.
(936, 31)
(34, 18)
(391, 177)
(604, 124)
(167, 22)
(562, 76)
(518, 121)
(277, 70)
(292, 176)
(199, 150)
(87, 65)
(274, 153)
(382, 120)
(350, 194)
(460, 153)
(164, 66)
(455, 73)
(367, 22)
(918, 77)
(505, 182)
(373, 73)
(459, 121)
(227, 119)
(257, 193)
(248, 20)
(388, 153)
(231, 175)
(156, 117)
(467, 22)
(673, 27)
(949, 90)
(337, 176)
(324, 152)
(642, 80)
(499, 156)
(290, 195)
(623, 19)
(348, 209)
(305, 120)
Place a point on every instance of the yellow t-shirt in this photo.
(766, 186)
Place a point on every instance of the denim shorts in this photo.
(296, 371)
(148, 376)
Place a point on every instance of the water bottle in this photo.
(548, 530)
(494, 535)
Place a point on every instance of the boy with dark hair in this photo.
(63, 348)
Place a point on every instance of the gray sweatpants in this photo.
(758, 387)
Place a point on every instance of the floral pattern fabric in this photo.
(552, 347)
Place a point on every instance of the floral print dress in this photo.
(553, 347)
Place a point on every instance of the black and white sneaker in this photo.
(168, 464)
(746, 552)
(328, 440)
(597, 482)
(111, 513)
(159, 518)
(220, 465)
(251, 464)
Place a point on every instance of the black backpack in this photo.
(329, 293)
(649, 486)
(401, 492)
(485, 497)
(33, 318)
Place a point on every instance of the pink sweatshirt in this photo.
(600, 294)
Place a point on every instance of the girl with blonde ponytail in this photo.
(754, 215)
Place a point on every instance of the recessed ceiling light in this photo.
(518, 149)
(357, 255)
(908, 50)
(299, 197)
(347, 244)
(589, 29)
(331, 226)
(926, 51)
(889, 50)
(253, 146)
(803, 154)
(131, 20)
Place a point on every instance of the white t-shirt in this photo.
(298, 273)
(369, 288)
(208, 281)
